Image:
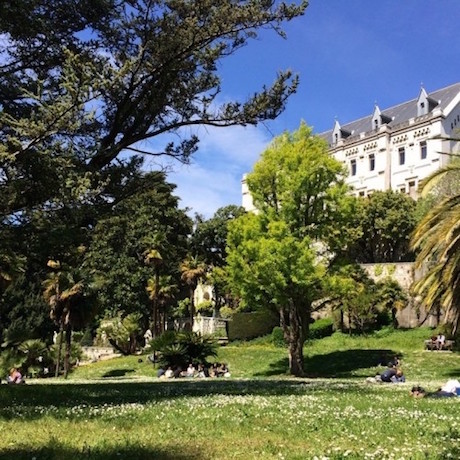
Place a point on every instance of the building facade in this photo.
(397, 147)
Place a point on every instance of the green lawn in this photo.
(117, 409)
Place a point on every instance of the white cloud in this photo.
(213, 179)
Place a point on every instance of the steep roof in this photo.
(398, 113)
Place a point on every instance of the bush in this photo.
(247, 326)
(321, 328)
(226, 312)
(277, 337)
(181, 348)
(205, 308)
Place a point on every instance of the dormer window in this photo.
(339, 133)
(379, 119)
(425, 104)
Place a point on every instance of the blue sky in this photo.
(349, 54)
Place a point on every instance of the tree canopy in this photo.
(84, 86)
(279, 257)
(84, 81)
(381, 228)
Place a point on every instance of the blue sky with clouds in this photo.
(349, 55)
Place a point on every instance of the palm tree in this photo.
(10, 266)
(153, 257)
(64, 290)
(161, 291)
(437, 237)
(191, 272)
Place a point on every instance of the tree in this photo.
(148, 227)
(437, 237)
(391, 298)
(192, 270)
(209, 243)
(161, 292)
(279, 258)
(122, 331)
(84, 81)
(382, 227)
(67, 293)
(209, 240)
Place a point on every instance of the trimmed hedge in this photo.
(246, 326)
(321, 328)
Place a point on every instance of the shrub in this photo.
(277, 337)
(205, 308)
(182, 348)
(247, 326)
(226, 312)
(321, 328)
(122, 332)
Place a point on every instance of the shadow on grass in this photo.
(335, 364)
(453, 373)
(117, 373)
(68, 400)
(57, 451)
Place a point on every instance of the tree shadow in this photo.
(56, 451)
(335, 364)
(453, 373)
(117, 373)
(25, 399)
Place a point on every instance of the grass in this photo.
(117, 409)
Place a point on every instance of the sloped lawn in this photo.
(117, 409)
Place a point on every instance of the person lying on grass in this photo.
(450, 389)
(389, 375)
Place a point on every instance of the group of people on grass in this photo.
(394, 374)
(192, 371)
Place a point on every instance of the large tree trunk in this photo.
(296, 366)
(295, 333)
(154, 326)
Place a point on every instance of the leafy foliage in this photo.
(122, 332)
(381, 228)
(279, 258)
(277, 337)
(438, 239)
(323, 327)
(181, 348)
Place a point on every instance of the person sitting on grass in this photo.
(398, 377)
(223, 370)
(202, 371)
(15, 376)
(191, 371)
(388, 374)
(169, 374)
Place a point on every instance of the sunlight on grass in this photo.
(118, 409)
